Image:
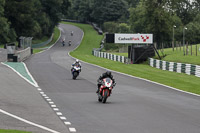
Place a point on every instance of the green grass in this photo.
(1, 46)
(43, 39)
(178, 56)
(92, 40)
(121, 54)
(12, 131)
(55, 38)
(37, 51)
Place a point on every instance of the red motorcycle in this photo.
(105, 89)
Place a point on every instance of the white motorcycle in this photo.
(75, 71)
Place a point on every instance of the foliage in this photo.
(124, 28)
(110, 27)
(108, 10)
(193, 30)
(7, 34)
(35, 18)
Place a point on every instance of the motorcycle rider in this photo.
(63, 41)
(77, 62)
(107, 74)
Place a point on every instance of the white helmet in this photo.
(77, 60)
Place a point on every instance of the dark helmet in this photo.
(104, 75)
(108, 73)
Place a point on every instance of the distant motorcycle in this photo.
(105, 89)
(69, 43)
(63, 43)
(75, 71)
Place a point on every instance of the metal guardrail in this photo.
(175, 67)
(42, 43)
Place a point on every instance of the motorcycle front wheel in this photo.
(105, 96)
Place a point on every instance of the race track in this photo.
(136, 106)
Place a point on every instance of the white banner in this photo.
(134, 38)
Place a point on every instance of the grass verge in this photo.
(55, 38)
(92, 40)
(178, 56)
(12, 131)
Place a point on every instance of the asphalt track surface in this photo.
(136, 106)
(21, 99)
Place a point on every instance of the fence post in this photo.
(196, 49)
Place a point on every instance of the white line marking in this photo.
(67, 123)
(51, 102)
(71, 129)
(58, 113)
(42, 92)
(39, 89)
(36, 85)
(48, 99)
(20, 75)
(44, 95)
(28, 122)
(55, 109)
(63, 118)
(53, 106)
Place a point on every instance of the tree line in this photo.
(159, 17)
(32, 18)
(162, 18)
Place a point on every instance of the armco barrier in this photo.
(43, 43)
(23, 54)
(175, 67)
(110, 56)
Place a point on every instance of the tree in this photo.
(65, 7)
(110, 27)
(53, 11)
(84, 10)
(152, 16)
(22, 15)
(6, 33)
(132, 3)
(124, 28)
(138, 20)
(183, 9)
(193, 30)
(108, 10)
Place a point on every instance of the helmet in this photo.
(108, 73)
(104, 75)
(77, 60)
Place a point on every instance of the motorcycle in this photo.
(63, 43)
(105, 89)
(75, 71)
(69, 43)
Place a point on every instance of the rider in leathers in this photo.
(77, 62)
(104, 75)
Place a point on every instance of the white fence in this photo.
(110, 56)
